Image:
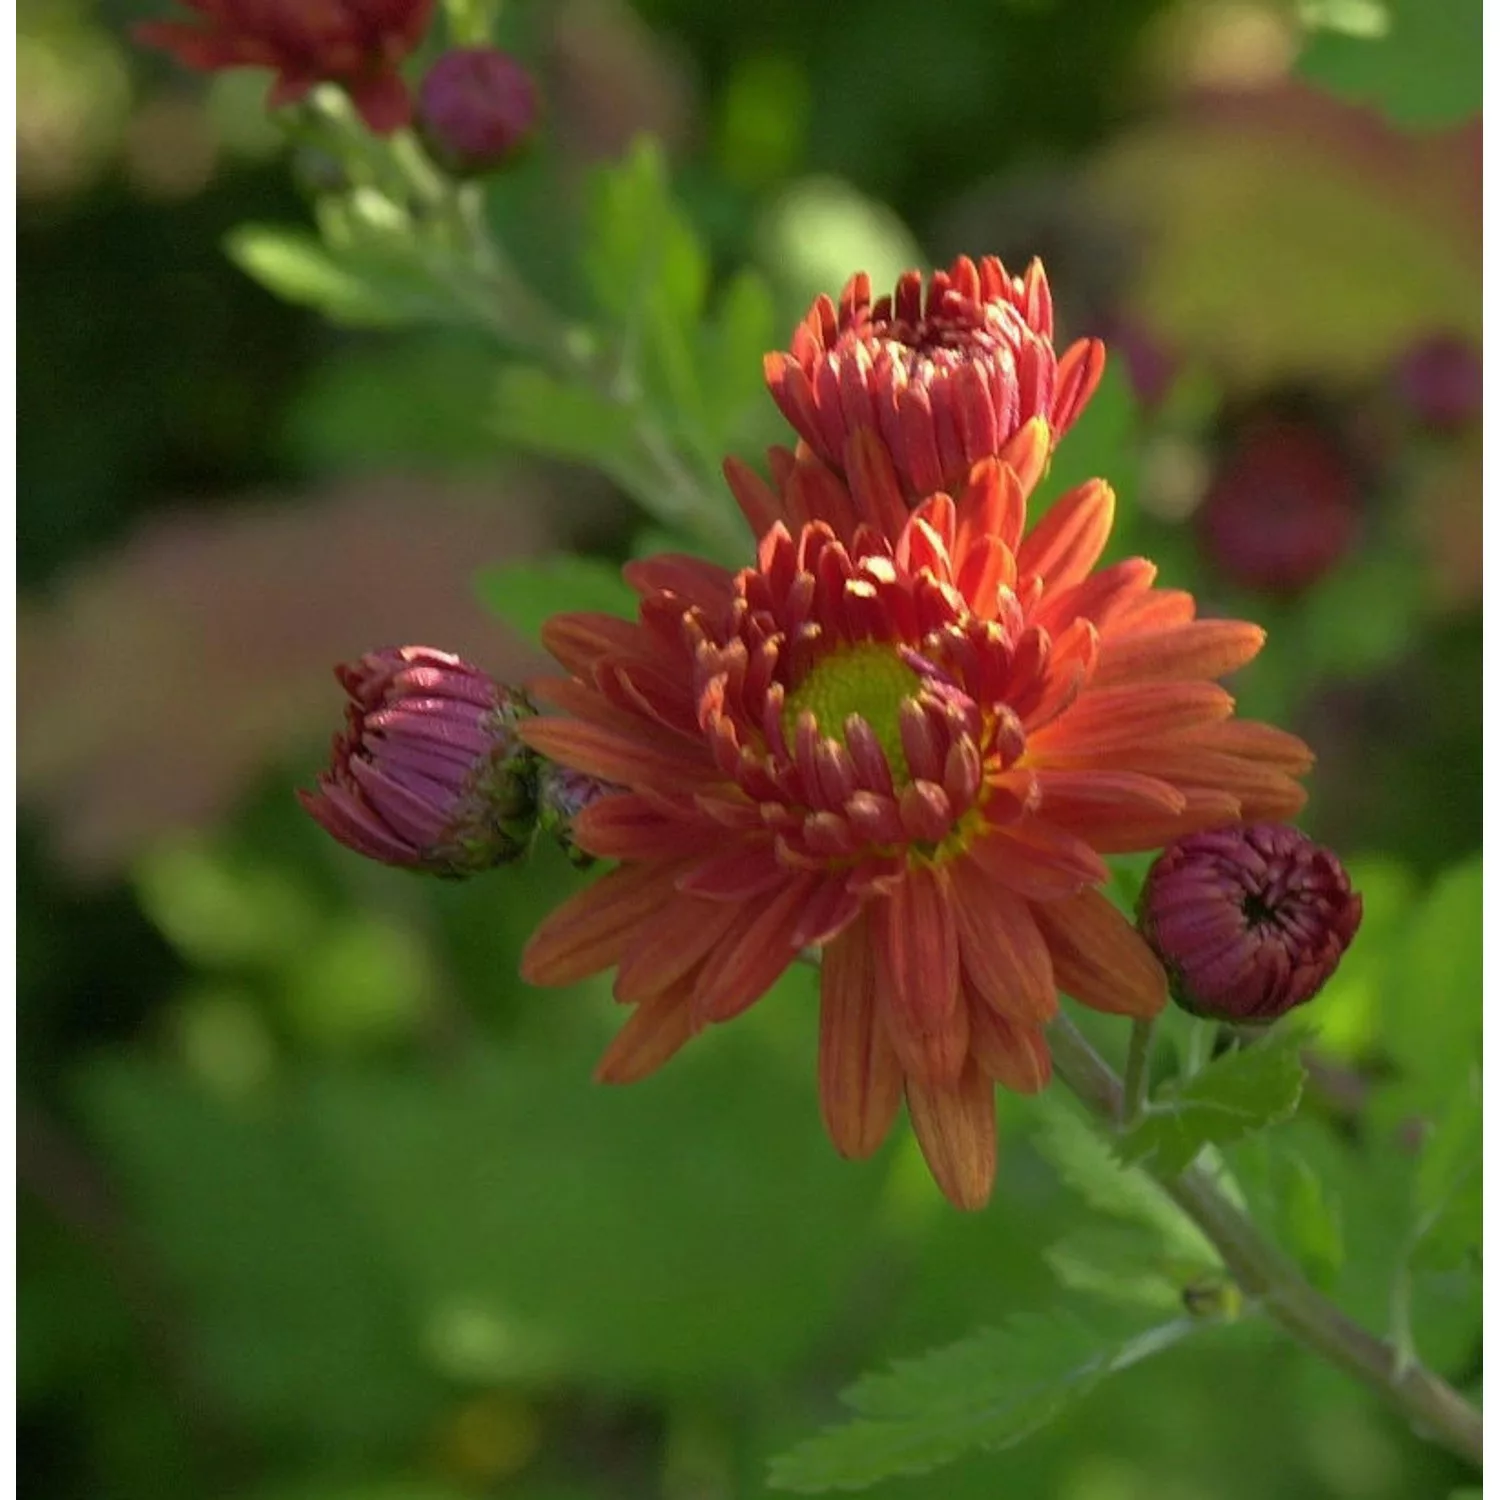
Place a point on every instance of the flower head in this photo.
(1284, 507)
(944, 380)
(476, 109)
(906, 746)
(1249, 921)
(356, 43)
(429, 773)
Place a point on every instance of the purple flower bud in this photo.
(429, 773)
(561, 795)
(1440, 381)
(1249, 920)
(477, 108)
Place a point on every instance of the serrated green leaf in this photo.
(990, 1391)
(358, 290)
(1234, 1096)
(527, 594)
(1086, 1162)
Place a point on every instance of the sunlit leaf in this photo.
(351, 288)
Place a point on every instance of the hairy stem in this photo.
(1265, 1273)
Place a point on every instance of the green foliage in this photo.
(1085, 1161)
(359, 287)
(1105, 442)
(527, 594)
(1449, 1186)
(1415, 61)
(990, 1390)
(1431, 997)
(1236, 1095)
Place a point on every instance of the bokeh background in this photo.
(316, 1199)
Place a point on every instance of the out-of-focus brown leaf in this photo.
(1285, 235)
(161, 680)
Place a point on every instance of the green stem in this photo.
(1265, 1273)
(1137, 1072)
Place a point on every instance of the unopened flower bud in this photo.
(476, 110)
(429, 772)
(561, 795)
(1249, 921)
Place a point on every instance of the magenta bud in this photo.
(1249, 921)
(429, 772)
(1440, 381)
(561, 795)
(476, 110)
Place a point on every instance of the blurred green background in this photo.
(317, 1202)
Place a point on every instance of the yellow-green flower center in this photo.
(869, 680)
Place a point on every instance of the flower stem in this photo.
(1137, 1072)
(1265, 1273)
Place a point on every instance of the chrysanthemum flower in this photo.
(429, 773)
(944, 380)
(1250, 921)
(356, 43)
(908, 747)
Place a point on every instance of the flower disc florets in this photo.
(944, 379)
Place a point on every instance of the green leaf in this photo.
(1309, 1219)
(1086, 1162)
(1449, 1188)
(1106, 440)
(527, 594)
(822, 230)
(1239, 1093)
(640, 253)
(361, 290)
(1431, 1011)
(1419, 63)
(990, 1391)
(566, 420)
(1125, 1264)
(731, 346)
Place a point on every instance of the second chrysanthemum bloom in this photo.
(908, 744)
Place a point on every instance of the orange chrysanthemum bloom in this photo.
(945, 380)
(909, 746)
